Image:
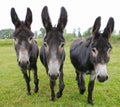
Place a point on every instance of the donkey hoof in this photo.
(28, 93)
(82, 91)
(59, 95)
(36, 90)
(52, 99)
(90, 102)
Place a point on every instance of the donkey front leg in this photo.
(77, 75)
(81, 83)
(36, 80)
(61, 85)
(27, 79)
(90, 88)
(52, 85)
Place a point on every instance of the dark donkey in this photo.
(91, 56)
(52, 53)
(26, 47)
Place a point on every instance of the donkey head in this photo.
(101, 47)
(54, 42)
(22, 37)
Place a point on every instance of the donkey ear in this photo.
(46, 19)
(14, 18)
(62, 20)
(109, 28)
(96, 26)
(28, 19)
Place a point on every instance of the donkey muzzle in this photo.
(23, 59)
(53, 71)
(23, 64)
(101, 72)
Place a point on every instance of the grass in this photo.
(13, 87)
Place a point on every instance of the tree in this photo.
(65, 32)
(79, 34)
(42, 31)
(74, 34)
(87, 32)
(6, 33)
(35, 34)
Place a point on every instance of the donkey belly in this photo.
(79, 56)
(82, 67)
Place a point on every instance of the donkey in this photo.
(26, 47)
(90, 56)
(52, 54)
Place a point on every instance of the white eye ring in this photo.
(108, 52)
(94, 52)
(45, 44)
(15, 40)
(62, 44)
(30, 40)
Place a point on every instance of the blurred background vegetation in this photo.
(7, 33)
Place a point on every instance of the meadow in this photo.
(13, 87)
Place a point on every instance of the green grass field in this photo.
(13, 87)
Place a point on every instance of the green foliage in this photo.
(87, 32)
(13, 87)
(42, 31)
(6, 33)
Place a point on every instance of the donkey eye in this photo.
(15, 40)
(62, 44)
(109, 50)
(94, 52)
(45, 44)
(30, 38)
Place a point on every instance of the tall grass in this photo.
(13, 87)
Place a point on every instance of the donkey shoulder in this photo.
(35, 49)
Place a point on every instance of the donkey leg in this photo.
(90, 88)
(36, 80)
(81, 83)
(61, 85)
(27, 82)
(77, 75)
(52, 84)
(77, 79)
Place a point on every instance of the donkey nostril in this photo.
(27, 62)
(18, 62)
(98, 76)
(106, 77)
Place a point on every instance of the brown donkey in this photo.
(26, 47)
